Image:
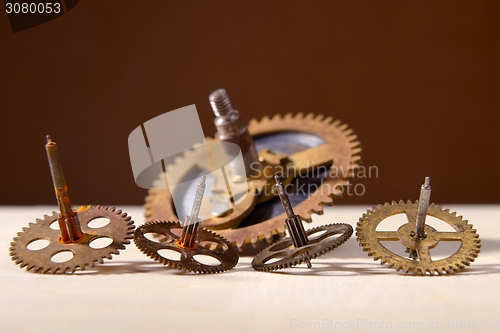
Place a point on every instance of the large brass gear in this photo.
(287, 255)
(370, 239)
(119, 229)
(223, 251)
(340, 151)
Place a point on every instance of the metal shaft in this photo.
(230, 128)
(293, 222)
(423, 204)
(68, 220)
(284, 197)
(192, 222)
(221, 104)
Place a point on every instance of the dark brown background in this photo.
(417, 81)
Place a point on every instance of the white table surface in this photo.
(344, 291)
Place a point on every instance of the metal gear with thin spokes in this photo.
(206, 243)
(283, 254)
(370, 239)
(294, 139)
(118, 230)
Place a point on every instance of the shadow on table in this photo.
(320, 268)
(357, 269)
(124, 267)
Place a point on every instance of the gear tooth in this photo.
(328, 120)
(309, 116)
(398, 268)
(319, 117)
(253, 122)
(288, 116)
(276, 117)
(39, 270)
(348, 132)
(356, 151)
(352, 142)
(393, 202)
(299, 116)
(387, 204)
(343, 127)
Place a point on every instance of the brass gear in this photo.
(222, 250)
(291, 256)
(340, 151)
(370, 239)
(119, 229)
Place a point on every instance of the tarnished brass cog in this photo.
(223, 251)
(299, 144)
(370, 239)
(283, 254)
(119, 230)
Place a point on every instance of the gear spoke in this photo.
(449, 236)
(387, 235)
(423, 254)
(411, 215)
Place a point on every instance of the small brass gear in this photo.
(222, 249)
(339, 151)
(119, 229)
(287, 255)
(370, 239)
